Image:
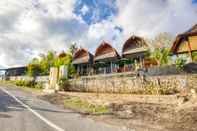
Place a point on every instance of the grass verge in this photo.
(26, 88)
(78, 104)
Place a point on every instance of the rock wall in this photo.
(130, 83)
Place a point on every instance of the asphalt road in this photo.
(23, 111)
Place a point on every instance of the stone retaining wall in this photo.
(130, 83)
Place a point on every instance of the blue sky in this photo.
(96, 10)
(30, 27)
(194, 1)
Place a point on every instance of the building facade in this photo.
(186, 43)
(105, 59)
(134, 51)
(83, 62)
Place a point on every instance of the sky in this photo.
(31, 27)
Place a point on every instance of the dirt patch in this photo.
(56, 99)
(140, 112)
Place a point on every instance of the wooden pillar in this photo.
(111, 67)
(81, 69)
(78, 69)
(88, 69)
(105, 69)
(124, 68)
(140, 61)
(190, 49)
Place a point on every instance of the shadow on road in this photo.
(49, 110)
(8, 104)
(4, 116)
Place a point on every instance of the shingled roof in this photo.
(134, 44)
(192, 31)
(105, 51)
(180, 37)
(82, 56)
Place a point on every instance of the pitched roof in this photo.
(191, 31)
(82, 56)
(180, 37)
(104, 51)
(134, 44)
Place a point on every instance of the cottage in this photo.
(134, 50)
(83, 61)
(186, 43)
(105, 58)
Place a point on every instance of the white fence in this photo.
(28, 78)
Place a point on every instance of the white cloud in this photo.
(55, 8)
(150, 17)
(30, 27)
(104, 31)
(84, 9)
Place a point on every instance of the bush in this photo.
(38, 86)
(180, 62)
(155, 90)
(31, 84)
(164, 90)
(20, 83)
(64, 84)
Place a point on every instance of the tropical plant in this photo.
(33, 69)
(161, 55)
(194, 55)
(180, 62)
(42, 65)
(64, 84)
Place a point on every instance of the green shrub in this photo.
(161, 90)
(38, 85)
(31, 84)
(64, 84)
(155, 90)
(180, 62)
(20, 83)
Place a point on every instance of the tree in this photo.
(180, 62)
(33, 69)
(46, 62)
(194, 56)
(162, 40)
(73, 48)
(161, 55)
(161, 48)
(42, 66)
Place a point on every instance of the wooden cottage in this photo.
(105, 58)
(134, 50)
(83, 61)
(186, 43)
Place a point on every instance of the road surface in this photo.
(23, 111)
